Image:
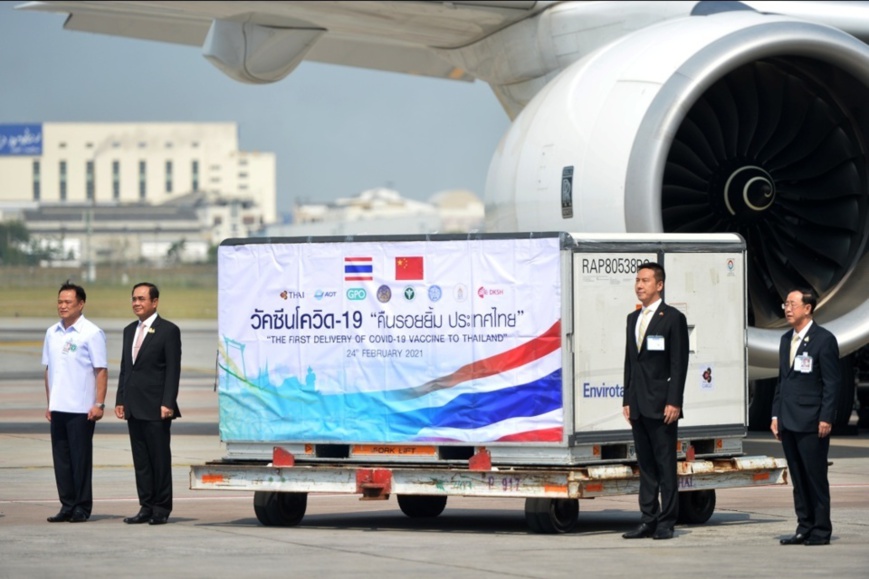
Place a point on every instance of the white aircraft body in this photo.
(748, 117)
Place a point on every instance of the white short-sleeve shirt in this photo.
(71, 355)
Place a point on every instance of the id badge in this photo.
(803, 363)
(655, 343)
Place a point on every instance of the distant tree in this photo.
(173, 254)
(14, 240)
(212, 254)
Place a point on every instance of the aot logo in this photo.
(356, 294)
(320, 294)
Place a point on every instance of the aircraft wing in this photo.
(679, 117)
(391, 36)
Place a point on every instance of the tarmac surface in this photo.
(216, 534)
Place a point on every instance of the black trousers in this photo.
(152, 459)
(806, 454)
(72, 449)
(655, 443)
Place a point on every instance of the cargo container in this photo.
(468, 365)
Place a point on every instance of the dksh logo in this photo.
(483, 292)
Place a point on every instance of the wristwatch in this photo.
(100, 405)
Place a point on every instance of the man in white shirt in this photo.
(76, 377)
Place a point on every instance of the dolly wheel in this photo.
(551, 515)
(279, 509)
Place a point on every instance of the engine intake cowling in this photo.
(734, 122)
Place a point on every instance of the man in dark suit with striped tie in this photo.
(656, 365)
(803, 412)
(147, 400)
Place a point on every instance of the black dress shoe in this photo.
(60, 517)
(642, 532)
(813, 541)
(138, 518)
(159, 520)
(797, 539)
(662, 533)
(78, 517)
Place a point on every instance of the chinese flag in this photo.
(408, 268)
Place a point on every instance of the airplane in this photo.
(747, 117)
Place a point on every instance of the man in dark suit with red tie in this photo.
(803, 412)
(147, 399)
(656, 364)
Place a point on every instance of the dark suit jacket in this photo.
(653, 378)
(152, 381)
(803, 399)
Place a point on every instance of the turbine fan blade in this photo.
(828, 154)
(693, 160)
(722, 102)
(677, 174)
(843, 181)
(834, 214)
(679, 195)
(695, 144)
(742, 86)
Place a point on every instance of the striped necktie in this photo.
(140, 335)
(795, 344)
(644, 323)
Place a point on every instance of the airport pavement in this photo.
(216, 534)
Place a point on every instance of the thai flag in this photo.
(358, 269)
(508, 396)
(514, 396)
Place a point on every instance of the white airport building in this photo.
(131, 191)
(381, 210)
(117, 193)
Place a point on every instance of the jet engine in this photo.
(732, 122)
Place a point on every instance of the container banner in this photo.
(391, 342)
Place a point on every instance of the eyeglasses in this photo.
(790, 305)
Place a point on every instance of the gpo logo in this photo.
(356, 294)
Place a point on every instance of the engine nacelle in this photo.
(736, 122)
